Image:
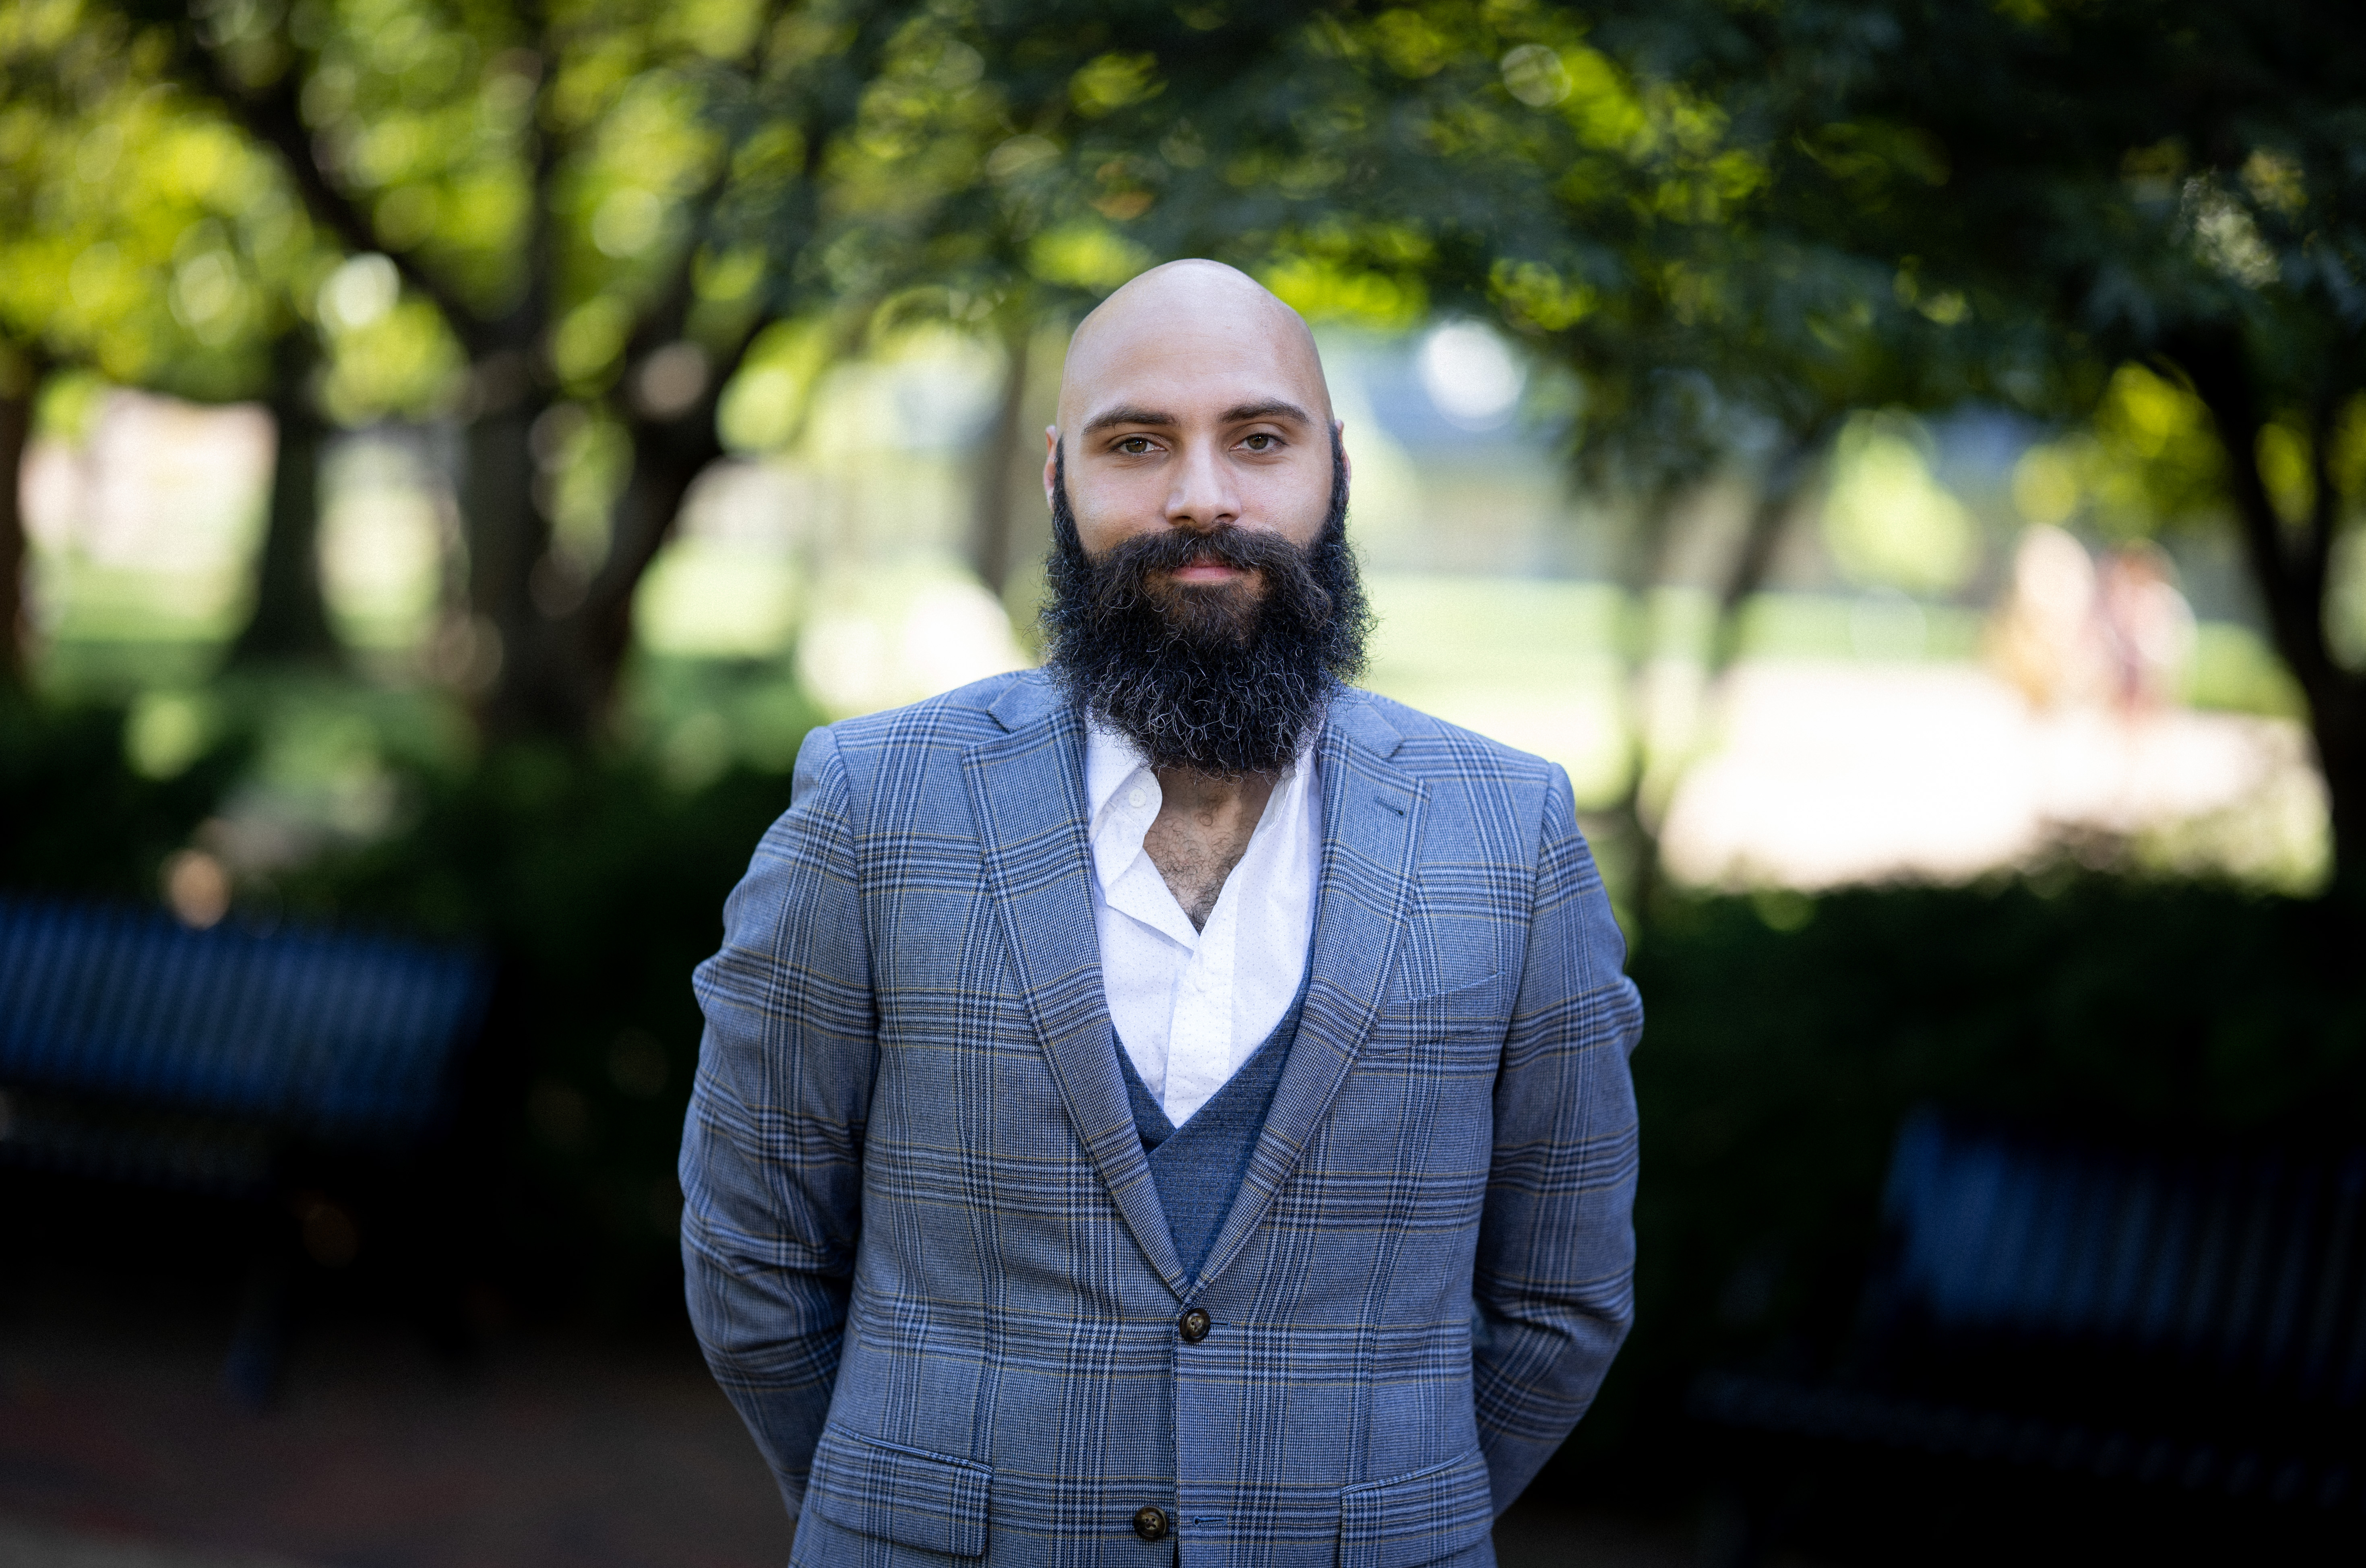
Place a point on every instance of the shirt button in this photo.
(1193, 1325)
(1150, 1524)
(1135, 798)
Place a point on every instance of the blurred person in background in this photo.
(1172, 1104)
(2069, 635)
(2044, 636)
(2147, 629)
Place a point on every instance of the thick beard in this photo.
(1221, 680)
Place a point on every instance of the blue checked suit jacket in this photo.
(925, 1254)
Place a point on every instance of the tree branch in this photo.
(2294, 595)
(24, 366)
(1784, 476)
(275, 119)
(2325, 503)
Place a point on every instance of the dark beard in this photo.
(1219, 680)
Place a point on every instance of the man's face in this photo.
(1199, 421)
(1201, 597)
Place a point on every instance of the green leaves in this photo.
(1111, 82)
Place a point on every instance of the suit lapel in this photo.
(1372, 822)
(1026, 794)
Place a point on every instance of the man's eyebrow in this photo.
(1130, 413)
(1272, 408)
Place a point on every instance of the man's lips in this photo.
(1206, 571)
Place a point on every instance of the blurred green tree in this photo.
(538, 207)
(569, 226)
(2172, 195)
(142, 241)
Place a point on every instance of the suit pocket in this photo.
(1467, 1011)
(1462, 995)
(911, 1496)
(1409, 1520)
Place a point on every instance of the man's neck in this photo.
(1203, 827)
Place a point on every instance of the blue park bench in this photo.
(2173, 1336)
(136, 1050)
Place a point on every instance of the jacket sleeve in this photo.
(1553, 1288)
(771, 1152)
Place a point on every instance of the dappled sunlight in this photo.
(727, 587)
(386, 529)
(142, 528)
(895, 634)
(1906, 463)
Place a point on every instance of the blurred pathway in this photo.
(1819, 774)
(27, 1546)
(113, 1426)
(117, 1449)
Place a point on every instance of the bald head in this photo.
(1193, 399)
(1189, 312)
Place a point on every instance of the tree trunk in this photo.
(290, 623)
(1644, 564)
(2338, 718)
(569, 658)
(668, 459)
(990, 531)
(21, 383)
(506, 535)
(2292, 568)
(1778, 492)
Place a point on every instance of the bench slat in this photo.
(327, 1033)
(2248, 1264)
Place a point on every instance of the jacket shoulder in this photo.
(1431, 748)
(958, 718)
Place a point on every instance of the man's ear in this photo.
(1051, 459)
(1346, 464)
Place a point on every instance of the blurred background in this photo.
(1905, 460)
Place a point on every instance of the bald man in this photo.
(1171, 1106)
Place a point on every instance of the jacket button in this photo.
(1150, 1524)
(1193, 1325)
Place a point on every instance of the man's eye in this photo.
(1259, 443)
(1133, 446)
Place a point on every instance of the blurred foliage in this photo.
(598, 887)
(1738, 225)
(487, 215)
(1887, 521)
(1789, 1035)
(610, 238)
(79, 815)
(140, 236)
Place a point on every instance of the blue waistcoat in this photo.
(1198, 1170)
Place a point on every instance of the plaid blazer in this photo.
(925, 1255)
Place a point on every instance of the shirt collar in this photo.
(1111, 760)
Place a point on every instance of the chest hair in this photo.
(1202, 829)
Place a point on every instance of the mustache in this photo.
(1122, 577)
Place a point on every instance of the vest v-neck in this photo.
(1199, 1167)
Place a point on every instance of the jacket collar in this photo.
(1027, 792)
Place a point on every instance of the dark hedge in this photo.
(1788, 1036)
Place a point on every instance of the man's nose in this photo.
(1204, 498)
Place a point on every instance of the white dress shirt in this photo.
(1191, 1006)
